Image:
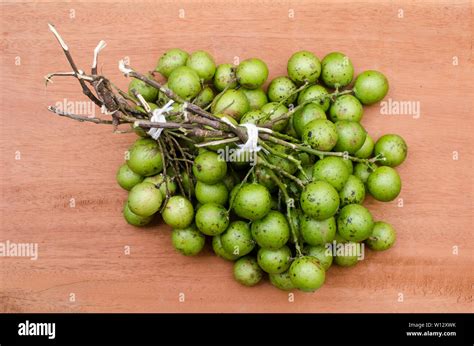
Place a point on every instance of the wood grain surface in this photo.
(424, 48)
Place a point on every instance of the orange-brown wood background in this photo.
(81, 249)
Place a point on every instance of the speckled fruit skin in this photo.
(319, 200)
(307, 274)
(178, 213)
(274, 261)
(159, 179)
(317, 232)
(237, 239)
(332, 170)
(304, 66)
(203, 63)
(272, 231)
(189, 241)
(350, 136)
(149, 93)
(384, 184)
(336, 70)
(127, 178)
(370, 87)
(282, 281)
(353, 191)
(342, 260)
(280, 89)
(252, 117)
(144, 199)
(264, 178)
(304, 116)
(211, 193)
(382, 238)
(225, 77)
(233, 103)
(145, 157)
(209, 167)
(366, 149)
(393, 148)
(252, 73)
(204, 98)
(184, 81)
(362, 171)
(171, 60)
(134, 219)
(283, 163)
(346, 107)
(212, 219)
(316, 92)
(321, 253)
(219, 250)
(252, 201)
(256, 97)
(320, 134)
(247, 272)
(275, 112)
(354, 223)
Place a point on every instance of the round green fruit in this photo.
(384, 184)
(127, 178)
(353, 191)
(211, 193)
(362, 171)
(225, 77)
(189, 241)
(320, 134)
(272, 231)
(185, 82)
(171, 60)
(232, 102)
(209, 167)
(282, 281)
(144, 199)
(134, 219)
(346, 107)
(370, 87)
(237, 239)
(282, 89)
(219, 250)
(178, 212)
(332, 170)
(350, 136)
(336, 70)
(392, 148)
(382, 238)
(305, 115)
(316, 94)
(317, 232)
(252, 73)
(274, 110)
(354, 223)
(319, 200)
(274, 261)
(304, 66)
(203, 63)
(321, 253)
(307, 274)
(247, 272)
(252, 201)
(212, 219)
(256, 97)
(149, 93)
(366, 149)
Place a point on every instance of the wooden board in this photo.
(424, 48)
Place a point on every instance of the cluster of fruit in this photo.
(302, 194)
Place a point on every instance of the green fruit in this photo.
(282, 88)
(322, 254)
(336, 70)
(350, 136)
(305, 115)
(212, 219)
(178, 212)
(149, 93)
(252, 201)
(317, 94)
(225, 77)
(320, 134)
(233, 103)
(247, 272)
(187, 183)
(219, 250)
(362, 171)
(274, 111)
(272, 231)
(370, 87)
(285, 164)
(384, 184)
(159, 180)
(274, 261)
(319, 200)
(346, 252)
(189, 241)
(393, 148)
(332, 170)
(203, 63)
(307, 274)
(134, 219)
(144, 199)
(264, 178)
(316, 232)
(353, 191)
(209, 167)
(252, 73)
(204, 98)
(308, 169)
(215, 193)
(348, 162)
(162, 98)
(304, 66)
(282, 281)
(185, 82)
(354, 223)
(346, 107)
(145, 157)
(237, 239)
(171, 60)
(256, 97)
(127, 178)
(366, 149)
(252, 117)
(382, 238)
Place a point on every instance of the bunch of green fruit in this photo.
(299, 193)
